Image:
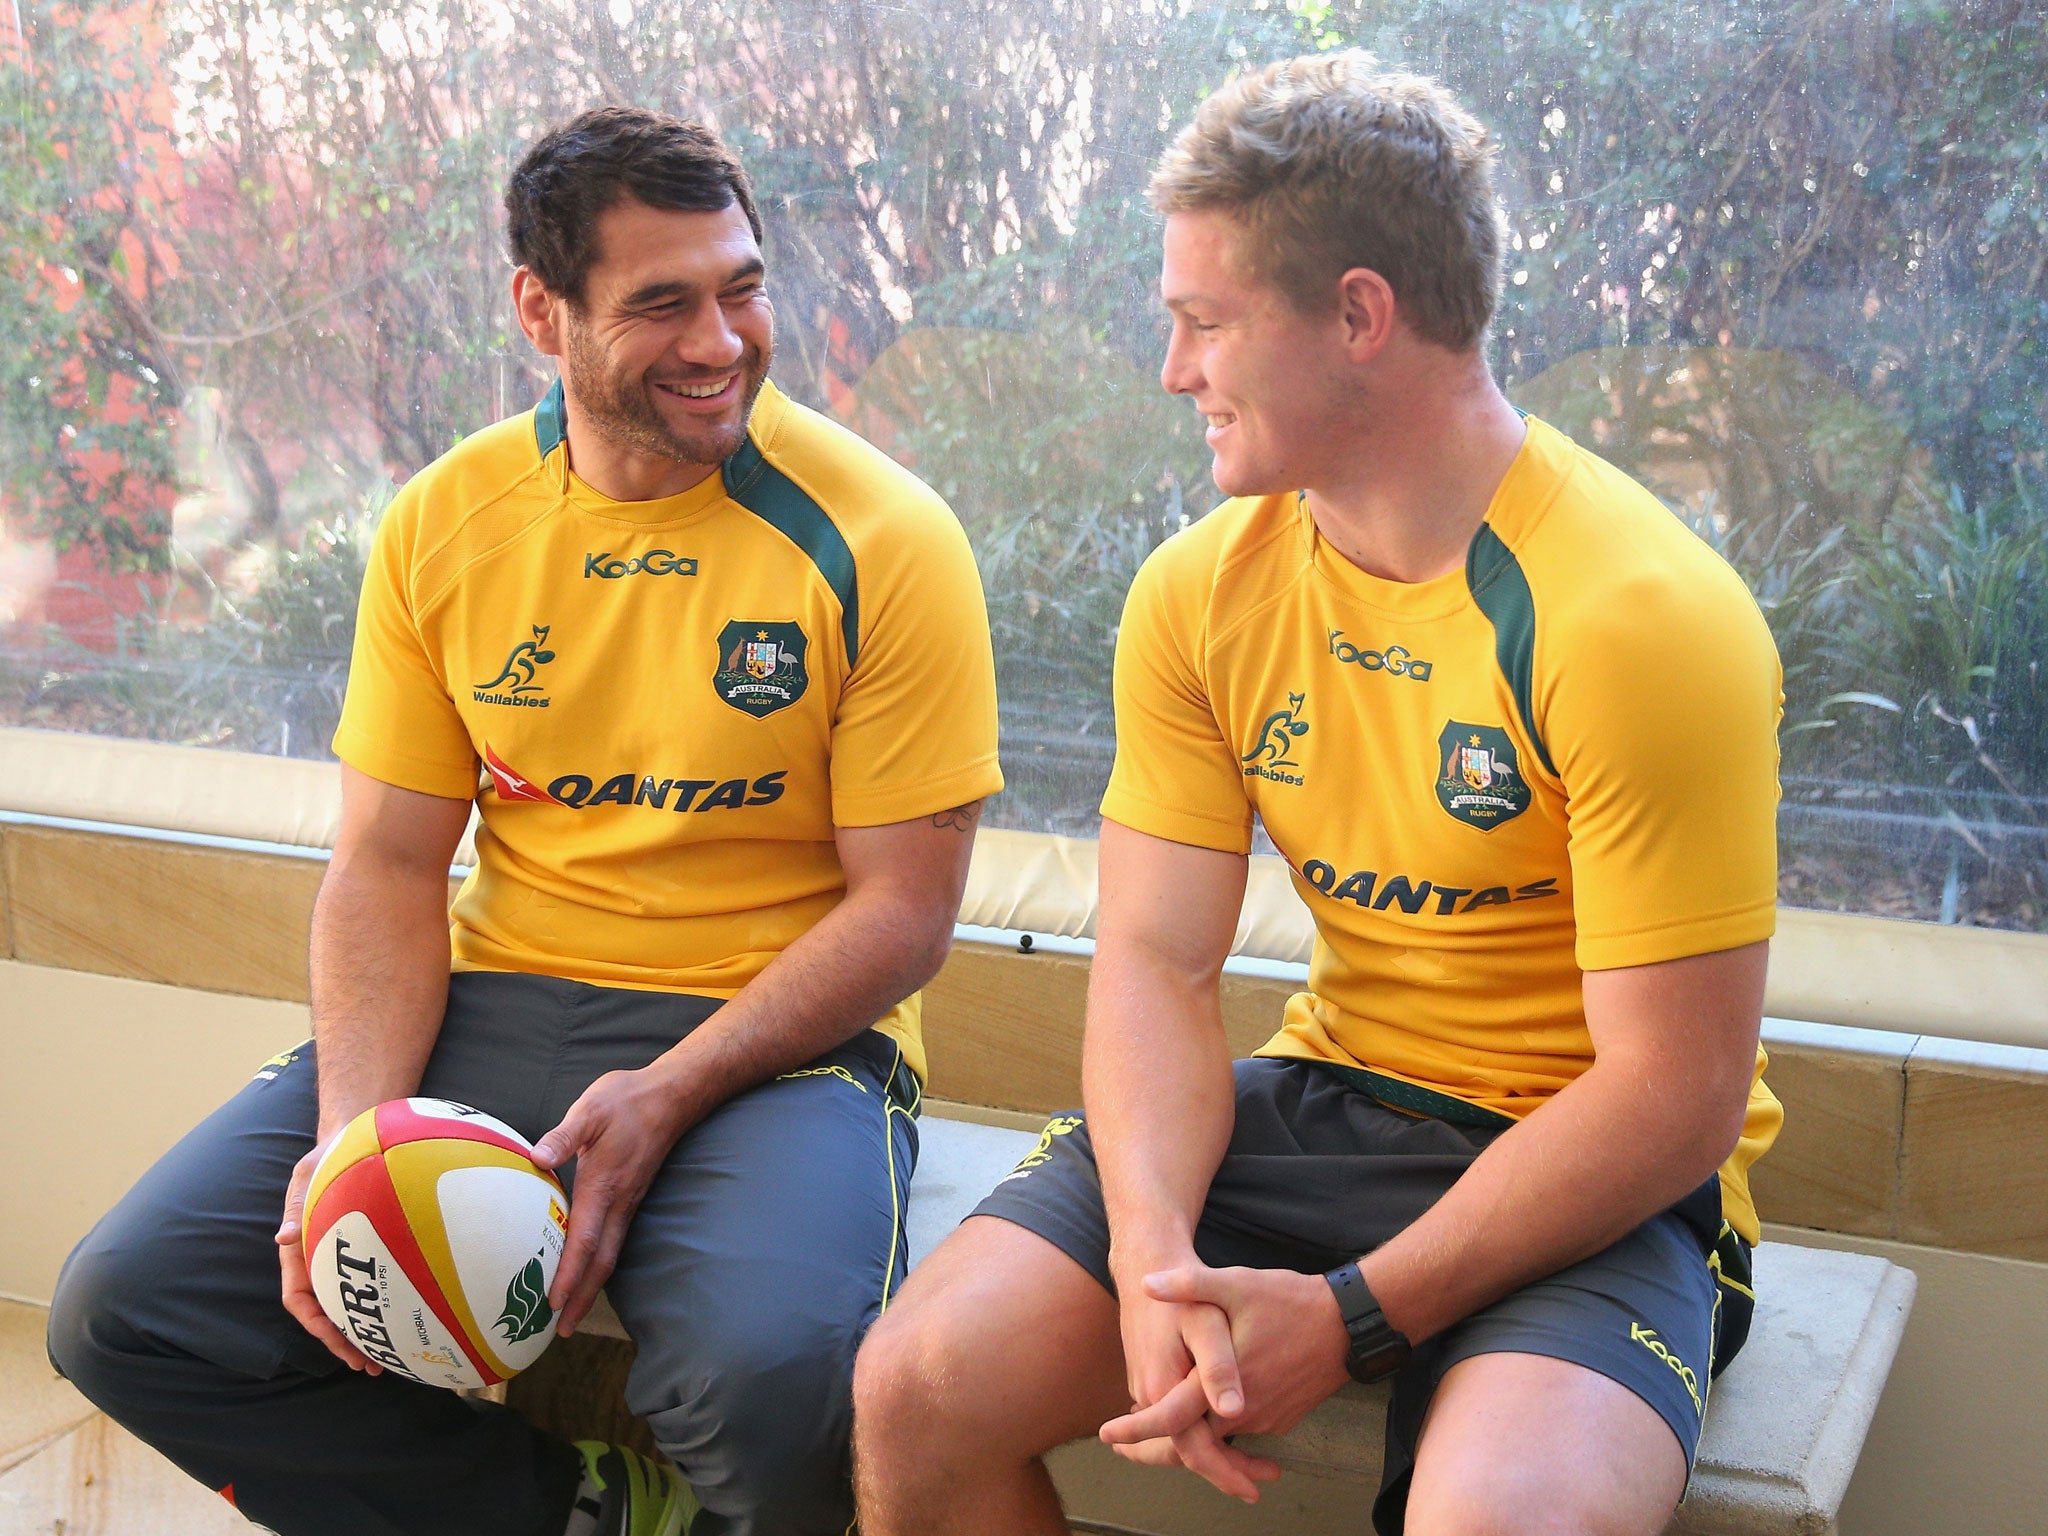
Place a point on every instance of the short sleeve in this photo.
(398, 723)
(916, 727)
(1666, 728)
(1176, 776)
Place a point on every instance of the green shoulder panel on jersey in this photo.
(780, 502)
(1502, 593)
(550, 421)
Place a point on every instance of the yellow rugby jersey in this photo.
(663, 709)
(1561, 758)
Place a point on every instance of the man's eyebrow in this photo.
(655, 293)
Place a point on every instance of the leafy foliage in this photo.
(296, 204)
(1946, 640)
(88, 392)
(262, 672)
(1785, 259)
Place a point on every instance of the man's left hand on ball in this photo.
(619, 1132)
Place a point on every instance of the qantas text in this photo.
(1366, 888)
(581, 791)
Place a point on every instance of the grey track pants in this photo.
(766, 1246)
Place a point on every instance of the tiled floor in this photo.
(68, 1471)
(36, 1405)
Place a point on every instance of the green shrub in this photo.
(1940, 651)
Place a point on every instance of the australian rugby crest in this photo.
(1478, 779)
(761, 666)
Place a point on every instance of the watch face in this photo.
(1378, 1358)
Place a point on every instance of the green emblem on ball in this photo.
(526, 1304)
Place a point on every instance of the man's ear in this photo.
(539, 311)
(1366, 307)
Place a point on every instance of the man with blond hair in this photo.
(1513, 728)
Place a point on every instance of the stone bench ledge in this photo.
(1785, 1423)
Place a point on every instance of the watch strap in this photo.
(1378, 1348)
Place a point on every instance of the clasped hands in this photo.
(1214, 1353)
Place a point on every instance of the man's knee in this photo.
(999, 1349)
(1474, 1483)
(92, 1341)
(1526, 1445)
(904, 1368)
(760, 1425)
(139, 1310)
(1505, 1505)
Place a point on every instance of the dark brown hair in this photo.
(581, 168)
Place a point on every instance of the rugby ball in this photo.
(432, 1237)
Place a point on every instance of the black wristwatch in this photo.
(1377, 1346)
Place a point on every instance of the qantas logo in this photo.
(1370, 889)
(508, 783)
(578, 790)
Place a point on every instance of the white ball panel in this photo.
(447, 1109)
(505, 1230)
(371, 1299)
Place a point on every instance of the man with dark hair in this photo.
(1513, 727)
(574, 173)
(680, 644)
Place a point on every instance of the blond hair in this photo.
(1330, 163)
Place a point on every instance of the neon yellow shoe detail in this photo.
(626, 1494)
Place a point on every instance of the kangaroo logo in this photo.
(1278, 735)
(527, 657)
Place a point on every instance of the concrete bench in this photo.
(1785, 1423)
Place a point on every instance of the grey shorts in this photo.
(1318, 1172)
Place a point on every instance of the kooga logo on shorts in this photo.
(1394, 660)
(656, 562)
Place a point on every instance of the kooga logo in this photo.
(1394, 660)
(656, 562)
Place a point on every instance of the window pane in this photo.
(1787, 262)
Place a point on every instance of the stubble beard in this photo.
(622, 409)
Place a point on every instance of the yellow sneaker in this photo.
(625, 1494)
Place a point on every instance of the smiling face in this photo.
(1275, 384)
(671, 342)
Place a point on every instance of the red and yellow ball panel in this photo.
(431, 1237)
